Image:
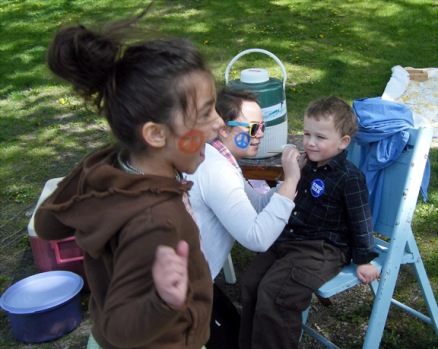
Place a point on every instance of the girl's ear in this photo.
(154, 134)
(344, 142)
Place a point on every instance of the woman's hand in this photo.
(292, 173)
(302, 161)
(290, 160)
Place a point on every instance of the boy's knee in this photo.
(295, 293)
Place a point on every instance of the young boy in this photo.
(330, 226)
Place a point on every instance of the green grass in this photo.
(339, 47)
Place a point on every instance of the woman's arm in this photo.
(222, 189)
(292, 161)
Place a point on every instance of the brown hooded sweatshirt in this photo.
(118, 220)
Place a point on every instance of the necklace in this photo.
(127, 167)
(134, 169)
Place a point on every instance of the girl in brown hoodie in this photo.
(126, 204)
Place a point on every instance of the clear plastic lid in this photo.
(41, 291)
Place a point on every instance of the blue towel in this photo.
(382, 135)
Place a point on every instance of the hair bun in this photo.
(85, 58)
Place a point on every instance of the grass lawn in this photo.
(340, 47)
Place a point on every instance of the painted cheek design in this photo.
(242, 140)
(191, 142)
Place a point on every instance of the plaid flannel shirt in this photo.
(332, 204)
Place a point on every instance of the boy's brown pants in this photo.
(277, 287)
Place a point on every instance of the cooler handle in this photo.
(283, 69)
(55, 246)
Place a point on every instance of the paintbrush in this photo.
(282, 148)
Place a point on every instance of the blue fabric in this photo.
(382, 135)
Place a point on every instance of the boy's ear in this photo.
(344, 142)
(154, 134)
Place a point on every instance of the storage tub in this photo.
(62, 254)
(44, 306)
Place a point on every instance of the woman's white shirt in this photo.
(227, 208)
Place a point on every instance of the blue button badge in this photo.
(317, 188)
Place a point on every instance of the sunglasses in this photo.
(254, 127)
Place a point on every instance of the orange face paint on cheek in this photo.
(191, 142)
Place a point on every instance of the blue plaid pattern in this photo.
(332, 204)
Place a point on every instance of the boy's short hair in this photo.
(344, 118)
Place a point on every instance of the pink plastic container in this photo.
(57, 254)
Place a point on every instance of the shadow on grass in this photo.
(345, 49)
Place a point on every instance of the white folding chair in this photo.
(401, 187)
(228, 268)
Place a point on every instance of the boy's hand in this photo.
(367, 273)
(170, 274)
